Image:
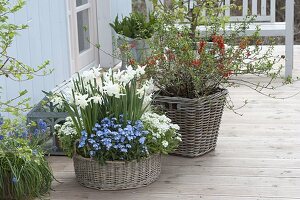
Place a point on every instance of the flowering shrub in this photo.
(163, 136)
(191, 62)
(107, 109)
(67, 135)
(24, 172)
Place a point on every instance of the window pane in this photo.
(83, 30)
(81, 2)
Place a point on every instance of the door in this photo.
(83, 34)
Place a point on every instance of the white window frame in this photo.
(88, 58)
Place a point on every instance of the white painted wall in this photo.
(45, 39)
(107, 11)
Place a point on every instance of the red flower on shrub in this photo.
(151, 61)
(227, 74)
(221, 67)
(196, 63)
(170, 55)
(131, 61)
(248, 54)
(259, 42)
(219, 41)
(243, 44)
(202, 45)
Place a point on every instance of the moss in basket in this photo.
(136, 25)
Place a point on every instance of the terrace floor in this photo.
(257, 157)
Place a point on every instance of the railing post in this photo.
(273, 11)
(289, 37)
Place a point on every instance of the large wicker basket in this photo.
(199, 121)
(117, 175)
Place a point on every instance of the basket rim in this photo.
(117, 161)
(221, 92)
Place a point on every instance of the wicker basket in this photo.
(199, 121)
(117, 175)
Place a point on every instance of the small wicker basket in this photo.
(117, 175)
(199, 121)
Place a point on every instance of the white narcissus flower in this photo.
(112, 89)
(96, 71)
(165, 143)
(57, 100)
(107, 75)
(127, 76)
(147, 88)
(147, 100)
(150, 87)
(80, 100)
(118, 75)
(140, 71)
(88, 75)
(96, 99)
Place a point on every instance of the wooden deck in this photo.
(257, 157)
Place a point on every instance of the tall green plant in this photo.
(135, 26)
(24, 172)
(96, 95)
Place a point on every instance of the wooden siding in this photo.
(107, 11)
(45, 39)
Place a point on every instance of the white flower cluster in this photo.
(57, 100)
(110, 83)
(160, 125)
(67, 128)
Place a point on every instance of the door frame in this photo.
(75, 56)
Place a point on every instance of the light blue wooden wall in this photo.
(107, 11)
(45, 39)
(120, 7)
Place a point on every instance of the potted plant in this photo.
(193, 63)
(24, 172)
(112, 134)
(134, 32)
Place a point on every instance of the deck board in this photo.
(257, 157)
